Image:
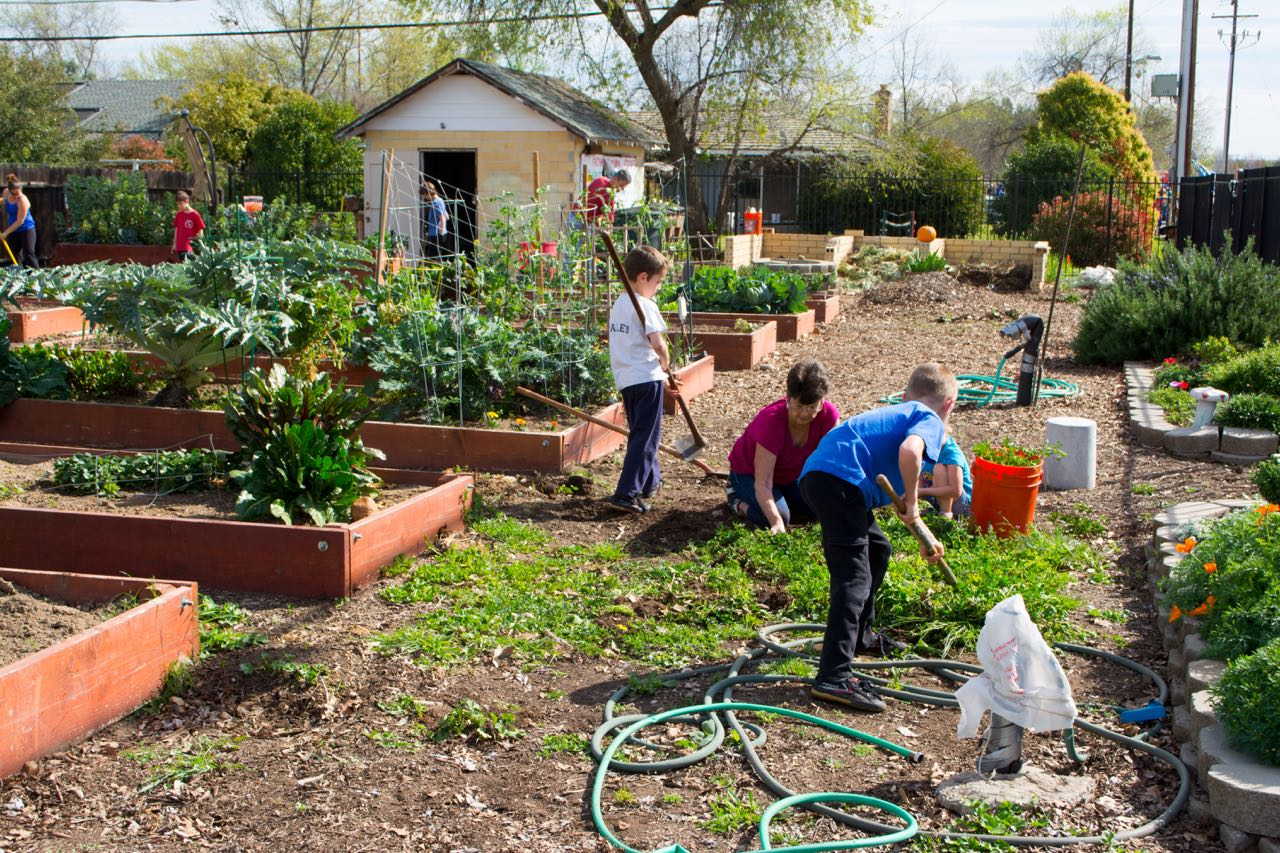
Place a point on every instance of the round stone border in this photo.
(1235, 790)
(1226, 445)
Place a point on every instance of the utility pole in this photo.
(1186, 90)
(1128, 58)
(1235, 17)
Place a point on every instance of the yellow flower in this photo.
(1186, 545)
(493, 416)
(519, 421)
(1210, 567)
(1175, 613)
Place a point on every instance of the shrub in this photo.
(1104, 229)
(1178, 406)
(1257, 371)
(1040, 173)
(24, 373)
(1267, 478)
(87, 374)
(1079, 108)
(1231, 581)
(1183, 297)
(1251, 411)
(117, 210)
(1213, 350)
(1248, 697)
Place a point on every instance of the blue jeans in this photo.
(788, 498)
(640, 473)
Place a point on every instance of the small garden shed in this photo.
(475, 128)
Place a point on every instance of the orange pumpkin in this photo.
(927, 234)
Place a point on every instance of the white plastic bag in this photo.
(1021, 680)
(1097, 276)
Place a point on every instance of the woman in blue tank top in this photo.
(20, 228)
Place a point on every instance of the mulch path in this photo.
(310, 778)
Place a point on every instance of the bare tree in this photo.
(79, 57)
(1093, 42)
(313, 62)
(926, 82)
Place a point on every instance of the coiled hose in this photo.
(978, 389)
(712, 715)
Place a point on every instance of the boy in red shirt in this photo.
(187, 226)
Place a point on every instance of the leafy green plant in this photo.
(985, 819)
(925, 262)
(470, 721)
(733, 812)
(1183, 297)
(163, 471)
(219, 624)
(1008, 452)
(1178, 406)
(1248, 705)
(1092, 243)
(22, 375)
(1214, 349)
(201, 755)
(300, 673)
(754, 290)
(1230, 580)
(1143, 488)
(565, 743)
(1253, 411)
(269, 400)
(1256, 372)
(1267, 478)
(116, 210)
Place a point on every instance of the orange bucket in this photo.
(1004, 496)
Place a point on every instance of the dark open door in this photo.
(454, 172)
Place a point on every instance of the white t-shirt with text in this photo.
(630, 354)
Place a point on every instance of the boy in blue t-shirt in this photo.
(839, 483)
(948, 485)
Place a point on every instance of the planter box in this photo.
(737, 350)
(304, 562)
(825, 305)
(234, 369)
(77, 686)
(790, 326)
(113, 253)
(42, 318)
(696, 379)
(122, 427)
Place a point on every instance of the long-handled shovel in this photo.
(921, 530)
(688, 448)
(671, 451)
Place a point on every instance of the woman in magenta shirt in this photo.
(767, 458)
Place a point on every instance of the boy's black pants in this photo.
(857, 554)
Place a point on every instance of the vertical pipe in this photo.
(1231, 76)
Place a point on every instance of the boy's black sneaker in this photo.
(653, 491)
(856, 694)
(631, 505)
(881, 645)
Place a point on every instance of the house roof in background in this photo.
(105, 106)
(775, 133)
(550, 96)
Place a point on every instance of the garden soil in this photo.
(302, 772)
(31, 622)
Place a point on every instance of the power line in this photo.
(82, 2)
(287, 31)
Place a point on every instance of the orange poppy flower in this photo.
(1185, 546)
(1265, 510)
(1203, 608)
(1175, 613)
(1210, 567)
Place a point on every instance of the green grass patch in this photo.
(1178, 406)
(201, 755)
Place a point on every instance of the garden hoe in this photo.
(922, 532)
(690, 447)
(665, 448)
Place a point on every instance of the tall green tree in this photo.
(38, 127)
(297, 139)
(230, 109)
(1079, 108)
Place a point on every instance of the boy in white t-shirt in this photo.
(641, 361)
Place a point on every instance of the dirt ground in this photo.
(306, 776)
(30, 622)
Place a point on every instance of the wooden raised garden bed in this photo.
(305, 562)
(790, 326)
(114, 253)
(735, 350)
(123, 427)
(42, 318)
(825, 305)
(78, 685)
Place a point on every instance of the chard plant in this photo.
(1008, 452)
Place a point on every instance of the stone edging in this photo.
(1243, 795)
(1227, 445)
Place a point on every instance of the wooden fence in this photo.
(1219, 210)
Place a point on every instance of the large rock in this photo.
(1184, 513)
(1192, 648)
(1202, 715)
(1192, 442)
(1249, 442)
(1223, 458)
(1204, 673)
(1235, 840)
(1029, 785)
(1246, 795)
(1214, 749)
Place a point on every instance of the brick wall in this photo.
(1028, 253)
(742, 249)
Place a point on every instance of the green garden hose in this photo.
(977, 389)
(707, 716)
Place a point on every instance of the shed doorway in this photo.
(454, 172)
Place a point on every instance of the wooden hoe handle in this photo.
(921, 530)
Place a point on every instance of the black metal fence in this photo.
(1114, 217)
(325, 190)
(1219, 210)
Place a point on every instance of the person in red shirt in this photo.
(187, 226)
(600, 196)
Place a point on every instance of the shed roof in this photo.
(126, 106)
(550, 96)
(776, 132)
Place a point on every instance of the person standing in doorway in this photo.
(601, 194)
(187, 226)
(20, 227)
(437, 220)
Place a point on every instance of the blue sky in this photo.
(978, 36)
